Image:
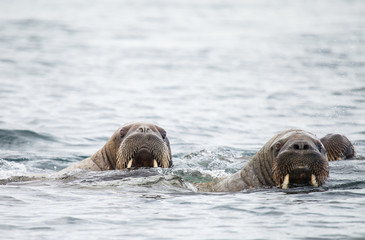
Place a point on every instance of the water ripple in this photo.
(221, 77)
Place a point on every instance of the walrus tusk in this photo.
(314, 181)
(130, 163)
(285, 182)
(155, 164)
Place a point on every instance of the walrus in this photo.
(133, 145)
(338, 147)
(291, 158)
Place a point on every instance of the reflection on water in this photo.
(221, 77)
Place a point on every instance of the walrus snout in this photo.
(300, 176)
(300, 161)
(144, 146)
(143, 158)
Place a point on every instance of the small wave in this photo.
(358, 157)
(352, 185)
(144, 177)
(10, 169)
(228, 159)
(360, 89)
(10, 138)
(195, 176)
(32, 23)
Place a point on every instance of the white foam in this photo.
(10, 169)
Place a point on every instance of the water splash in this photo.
(10, 169)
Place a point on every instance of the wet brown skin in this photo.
(295, 152)
(338, 147)
(146, 144)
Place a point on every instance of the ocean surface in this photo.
(221, 77)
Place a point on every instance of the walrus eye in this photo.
(163, 134)
(319, 145)
(122, 133)
(277, 146)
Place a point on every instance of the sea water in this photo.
(221, 77)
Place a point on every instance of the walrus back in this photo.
(256, 173)
(103, 159)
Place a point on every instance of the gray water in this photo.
(222, 77)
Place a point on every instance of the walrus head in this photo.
(299, 158)
(143, 145)
(338, 147)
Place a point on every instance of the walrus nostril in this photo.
(144, 129)
(300, 146)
